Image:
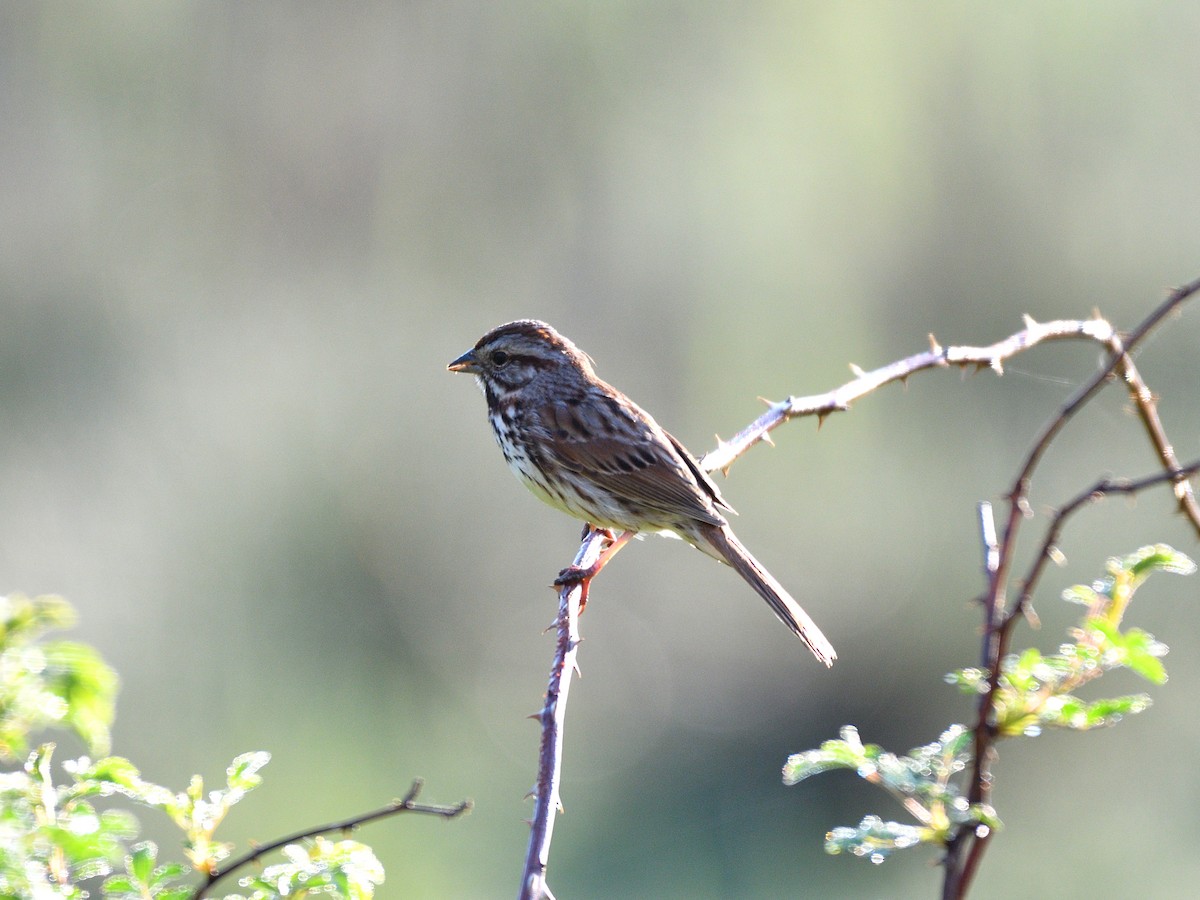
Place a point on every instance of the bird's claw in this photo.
(572, 575)
(576, 575)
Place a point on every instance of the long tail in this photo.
(723, 540)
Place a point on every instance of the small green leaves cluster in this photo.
(58, 837)
(1034, 691)
(44, 684)
(53, 837)
(923, 781)
(145, 877)
(323, 868)
(194, 812)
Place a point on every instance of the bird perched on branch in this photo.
(585, 448)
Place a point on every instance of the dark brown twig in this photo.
(1098, 491)
(553, 718)
(402, 805)
(966, 848)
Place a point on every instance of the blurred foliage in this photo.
(323, 868)
(53, 838)
(1035, 691)
(43, 684)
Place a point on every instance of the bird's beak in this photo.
(465, 363)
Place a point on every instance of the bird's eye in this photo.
(499, 358)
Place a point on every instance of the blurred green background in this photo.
(241, 242)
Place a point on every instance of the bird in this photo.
(585, 448)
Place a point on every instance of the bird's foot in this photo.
(577, 575)
(582, 575)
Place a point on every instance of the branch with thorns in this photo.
(965, 850)
(999, 619)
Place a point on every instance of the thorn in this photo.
(725, 471)
(821, 417)
(529, 795)
(997, 365)
(766, 401)
(413, 792)
(765, 437)
(934, 345)
(1028, 320)
(575, 667)
(857, 371)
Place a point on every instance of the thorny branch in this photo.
(407, 803)
(1097, 330)
(553, 717)
(965, 850)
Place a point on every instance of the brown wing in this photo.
(618, 447)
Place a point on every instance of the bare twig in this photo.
(407, 803)
(553, 718)
(1097, 491)
(965, 850)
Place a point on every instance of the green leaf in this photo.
(1111, 710)
(874, 839)
(242, 774)
(140, 862)
(984, 814)
(47, 684)
(23, 620)
(1082, 594)
(1064, 711)
(1142, 655)
(1155, 558)
(847, 753)
(118, 824)
(76, 673)
(971, 680)
(168, 872)
(1019, 671)
(114, 770)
